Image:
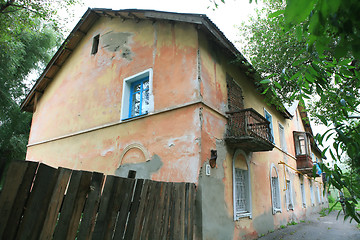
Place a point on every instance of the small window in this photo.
(303, 197)
(132, 174)
(288, 196)
(269, 118)
(282, 138)
(275, 189)
(95, 45)
(137, 98)
(241, 187)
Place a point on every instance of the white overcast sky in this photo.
(226, 16)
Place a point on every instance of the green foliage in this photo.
(331, 199)
(28, 35)
(312, 56)
(292, 223)
(324, 212)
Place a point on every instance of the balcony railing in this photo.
(304, 164)
(249, 130)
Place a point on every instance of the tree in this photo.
(29, 33)
(315, 52)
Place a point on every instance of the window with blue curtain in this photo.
(139, 97)
(271, 131)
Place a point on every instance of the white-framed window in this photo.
(241, 185)
(312, 194)
(137, 95)
(322, 195)
(303, 196)
(318, 195)
(275, 189)
(282, 138)
(269, 118)
(302, 143)
(288, 196)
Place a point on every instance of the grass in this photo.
(282, 226)
(292, 223)
(324, 212)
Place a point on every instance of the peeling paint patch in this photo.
(118, 42)
(106, 151)
(143, 170)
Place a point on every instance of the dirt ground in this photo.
(318, 228)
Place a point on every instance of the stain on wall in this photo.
(264, 223)
(118, 42)
(216, 223)
(143, 170)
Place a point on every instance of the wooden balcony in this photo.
(249, 130)
(304, 164)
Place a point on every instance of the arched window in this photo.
(302, 189)
(311, 193)
(289, 195)
(275, 189)
(241, 185)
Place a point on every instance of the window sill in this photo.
(133, 118)
(243, 215)
(276, 211)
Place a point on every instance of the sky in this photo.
(226, 16)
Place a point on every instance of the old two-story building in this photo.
(159, 95)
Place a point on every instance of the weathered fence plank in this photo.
(20, 200)
(13, 180)
(55, 203)
(134, 209)
(157, 215)
(113, 209)
(33, 205)
(141, 211)
(166, 213)
(73, 205)
(191, 211)
(100, 225)
(91, 207)
(34, 215)
(125, 207)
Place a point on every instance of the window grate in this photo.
(303, 194)
(240, 181)
(275, 192)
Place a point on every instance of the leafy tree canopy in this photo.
(29, 32)
(309, 49)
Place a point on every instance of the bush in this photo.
(331, 199)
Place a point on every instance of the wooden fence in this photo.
(41, 202)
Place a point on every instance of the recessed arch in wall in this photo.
(241, 184)
(275, 189)
(134, 153)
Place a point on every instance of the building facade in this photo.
(160, 94)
